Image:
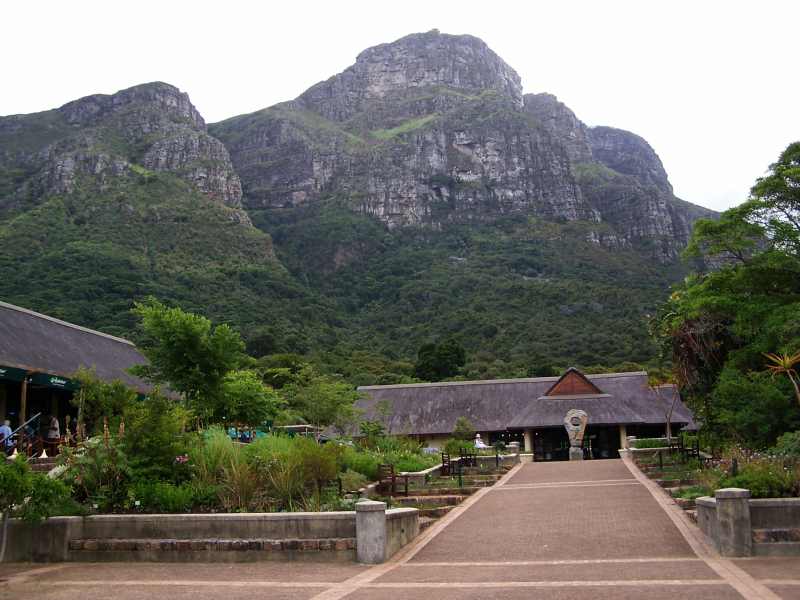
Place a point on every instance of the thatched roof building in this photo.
(430, 410)
(37, 343)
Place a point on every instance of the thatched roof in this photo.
(497, 405)
(36, 342)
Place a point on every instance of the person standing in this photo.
(53, 435)
(5, 437)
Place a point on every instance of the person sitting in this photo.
(479, 442)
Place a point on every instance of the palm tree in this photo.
(784, 364)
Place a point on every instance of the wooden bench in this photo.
(387, 481)
(446, 469)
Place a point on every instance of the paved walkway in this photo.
(547, 530)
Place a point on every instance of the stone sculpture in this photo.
(575, 423)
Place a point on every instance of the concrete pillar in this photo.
(623, 437)
(733, 521)
(527, 436)
(371, 532)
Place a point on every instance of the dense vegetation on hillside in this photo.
(517, 294)
(86, 256)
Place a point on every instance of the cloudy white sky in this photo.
(712, 85)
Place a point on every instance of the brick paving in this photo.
(553, 531)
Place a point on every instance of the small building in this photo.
(530, 411)
(39, 354)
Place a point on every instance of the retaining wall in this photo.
(741, 526)
(201, 537)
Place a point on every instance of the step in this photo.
(776, 549)
(455, 491)
(671, 483)
(685, 503)
(449, 500)
(788, 534)
(435, 512)
(178, 549)
(425, 522)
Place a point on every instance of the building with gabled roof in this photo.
(39, 354)
(530, 410)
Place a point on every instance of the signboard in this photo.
(54, 381)
(12, 374)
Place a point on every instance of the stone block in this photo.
(291, 544)
(340, 544)
(733, 522)
(371, 534)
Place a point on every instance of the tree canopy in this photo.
(743, 306)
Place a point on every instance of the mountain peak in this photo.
(419, 60)
(161, 96)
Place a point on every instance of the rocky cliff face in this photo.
(102, 137)
(434, 129)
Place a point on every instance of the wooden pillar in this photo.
(23, 401)
(623, 437)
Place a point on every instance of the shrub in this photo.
(411, 463)
(365, 463)
(209, 457)
(464, 429)
(788, 445)
(454, 446)
(650, 443)
(163, 497)
(155, 434)
(693, 492)
(294, 470)
(764, 479)
(98, 473)
(32, 496)
(352, 481)
(239, 488)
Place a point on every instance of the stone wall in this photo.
(156, 537)
(238, 537)
(740, 526)
(402, 526)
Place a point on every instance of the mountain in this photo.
(417, 195)
(435, 129)
(114, 197)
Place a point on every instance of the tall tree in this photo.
(204, 364)
(719, 324)
(440, 361)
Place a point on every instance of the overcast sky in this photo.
(713, 86)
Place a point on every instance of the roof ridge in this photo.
(493, 381)
(65, 323)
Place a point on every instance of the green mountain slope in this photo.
(419, 195)
(86, 228)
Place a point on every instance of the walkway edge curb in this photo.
(737, 578)
(348, 586)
